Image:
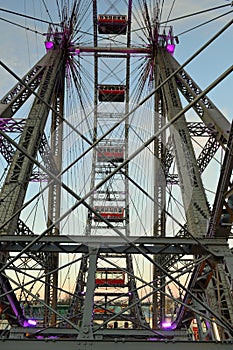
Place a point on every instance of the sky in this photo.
(20, 49)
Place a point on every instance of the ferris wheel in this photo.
(116, 187)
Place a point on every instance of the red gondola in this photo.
(112, 24)
(109, 276)
(111, 93)
(110, 213)
(110, 153)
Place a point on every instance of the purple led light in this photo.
(49, 45)
(30, 323)
(3, 123)
(170, 48)
(166, 325)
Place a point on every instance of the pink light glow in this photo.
(49, 45)
(3, 122)
(170, 48)
(30, 323)
(166, 324)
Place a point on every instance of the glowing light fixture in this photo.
(30, 323)
(49, 45)
(166, 325)
(170, 48)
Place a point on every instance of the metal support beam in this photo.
(218, 125)
(53, 344)
(112, 49)
(86, 331)
(15, 186)
(74, 244)
(218, 227)
(193, 194)
(16, 97)
(54, 197)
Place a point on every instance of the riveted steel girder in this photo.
(194, 198)
(14, 188)
(53, 344)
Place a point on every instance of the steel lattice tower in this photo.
(107, 210)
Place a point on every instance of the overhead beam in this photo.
(112, 49)
(80, 244)
(113, 240)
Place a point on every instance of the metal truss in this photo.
(10, 344)
(216, 122)
(208, 152)
(7, 151)
(12, 193)
(108, 244)
(211, 146)
(208, 297)
(16, 97)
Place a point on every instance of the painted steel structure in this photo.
(200, 247)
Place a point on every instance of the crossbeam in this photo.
(108, 244)
(112, 49)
